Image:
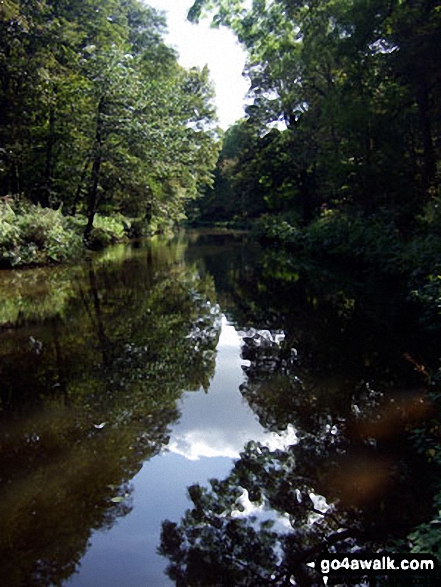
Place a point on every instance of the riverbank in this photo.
(34, 236)
(374, 247)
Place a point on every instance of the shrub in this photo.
(9, 234)
(342, 235)
(99, 239)
(31, 235)
(107, 230)
(113, 226)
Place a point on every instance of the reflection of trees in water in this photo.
(352, 479)
(83, 408)
(228, 257)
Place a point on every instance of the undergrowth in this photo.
(31, 235)
(373, 245)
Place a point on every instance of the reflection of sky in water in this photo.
(219, 423)
(213, 429)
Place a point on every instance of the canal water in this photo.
(156, 367)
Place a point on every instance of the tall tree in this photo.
(88, 118)
(356, 84)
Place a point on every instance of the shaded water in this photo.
(149, 368)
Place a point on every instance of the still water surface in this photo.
(212, 429)
(148, 368)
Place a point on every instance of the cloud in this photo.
(200, 45)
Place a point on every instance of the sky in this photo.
(200, 45)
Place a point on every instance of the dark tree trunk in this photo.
(423, 101)
(48, 176)
(149, 212)
(96, 168)
(77, 197)
(305, 193)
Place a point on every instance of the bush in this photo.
(372, 241)
(99, 239)
(346, 236)
(278, 229)
(113, 226)
(31, 235)
(107, 230)
(350, 240)
(9, 233)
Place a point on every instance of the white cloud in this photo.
(200, 443)
(200, 45)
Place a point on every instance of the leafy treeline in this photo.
(97, 114)
(357, 86)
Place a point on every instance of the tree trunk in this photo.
(77, 197)
(422, 96)
(96, 168)
(305, 196)
(46, 189)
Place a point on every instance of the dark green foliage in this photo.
(354, 89)
(90, 122)
(339, 155)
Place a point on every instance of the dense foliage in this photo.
(96, 113)
(351, 92)
(339, 156)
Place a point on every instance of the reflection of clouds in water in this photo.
(248, 509)
(199, 443)
(212, 425)
(220, 422)
(280, 440)
(195, 444)
(228, 336)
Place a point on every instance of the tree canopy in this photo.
(96, 112)
(356, 85)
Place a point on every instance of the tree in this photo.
(89, 120)
(356, 86)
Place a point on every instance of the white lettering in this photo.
(325, 567)
(390, 564)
